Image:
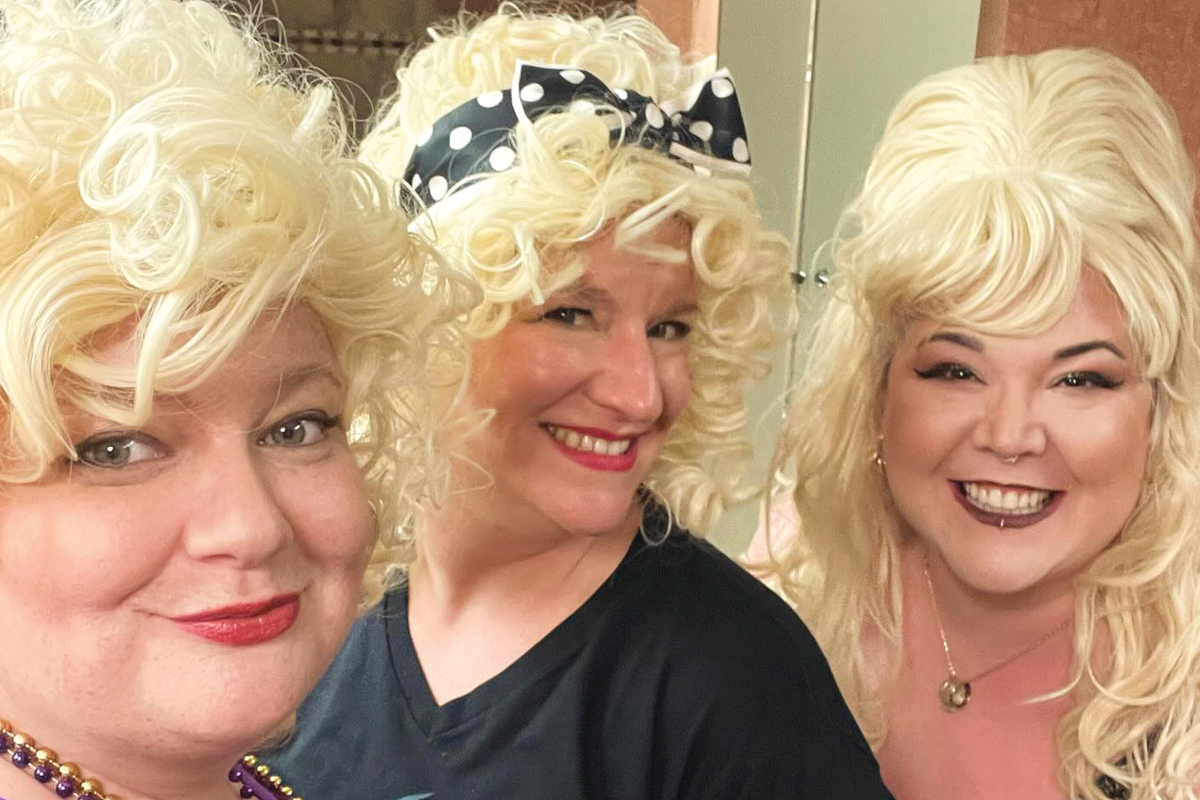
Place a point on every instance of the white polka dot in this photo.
(722, 87)
(654, 116)
(502, 158)
(490, 99)
(582, 106)
(741, 150)
(460, 137)
(532, 93)
(416, 181)
(438, 187)
(621, 93)
(572, 76)
(423, 139)
(701, 128)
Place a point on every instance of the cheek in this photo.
(85, 550)
(1108, 449)
(675, 378)
(329, 514)
(913, 432)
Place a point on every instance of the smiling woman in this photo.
(998, 507)
(201, 297)
(555, 633)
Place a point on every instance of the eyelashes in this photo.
(575, 317)
(1077, 379)
(114, 450)
(946, 370)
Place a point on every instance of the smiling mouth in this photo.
(1005, 500)
(589, 443)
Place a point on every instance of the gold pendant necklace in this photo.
(955, 692)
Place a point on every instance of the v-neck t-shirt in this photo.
(681, 677)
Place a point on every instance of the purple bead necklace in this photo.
(255, 778)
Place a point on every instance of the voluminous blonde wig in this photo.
(994, 186)
(161, 165)
(515, 229)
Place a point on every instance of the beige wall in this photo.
(867, 52)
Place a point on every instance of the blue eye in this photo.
(1085, 379)
(948, 371)
(113, 451)
(300, 430)
(671, 329)
(567, 315)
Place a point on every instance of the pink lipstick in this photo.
(603, 462)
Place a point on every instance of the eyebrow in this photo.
(297, 377)
(971, 343)
(584, 292)
(1085, 347)
(961, 339)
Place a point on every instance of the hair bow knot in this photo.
(703, 129)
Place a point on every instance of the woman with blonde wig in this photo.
(996, 441)
(213, 393)
(554, 632)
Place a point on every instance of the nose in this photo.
(627, 379)
(1009, 425)
(237, 516)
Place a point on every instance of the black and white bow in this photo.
(704, 128)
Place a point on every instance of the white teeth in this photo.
(1006, 501)
(588, 443)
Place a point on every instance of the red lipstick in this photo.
(244, 623)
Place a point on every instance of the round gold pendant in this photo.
(954, 693)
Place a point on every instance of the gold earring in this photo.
(877, 456)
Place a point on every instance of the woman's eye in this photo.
(948, 371)
(299, 431)
(114, 451)
(567, 315)
(671, 329)
(1082, 380)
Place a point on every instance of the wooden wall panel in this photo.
(690, 24)
(1159, 37)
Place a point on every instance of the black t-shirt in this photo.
(681, 677)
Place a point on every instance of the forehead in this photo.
(282, 342)
(1095, 314)
(657, 262)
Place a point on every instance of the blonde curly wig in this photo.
(569, 184)
(992, 188)
(160, 164)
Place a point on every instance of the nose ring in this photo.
(1011, 459)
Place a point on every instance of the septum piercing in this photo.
(1011, 459)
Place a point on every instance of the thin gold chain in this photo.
(1029, 648)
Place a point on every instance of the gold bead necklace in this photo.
(255, 778)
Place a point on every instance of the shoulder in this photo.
(727, 629)
(708, 591)
(359, 677)
(745, 685)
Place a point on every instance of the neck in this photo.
(980, 627)
(468, 553)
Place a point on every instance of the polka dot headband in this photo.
(703, 129)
